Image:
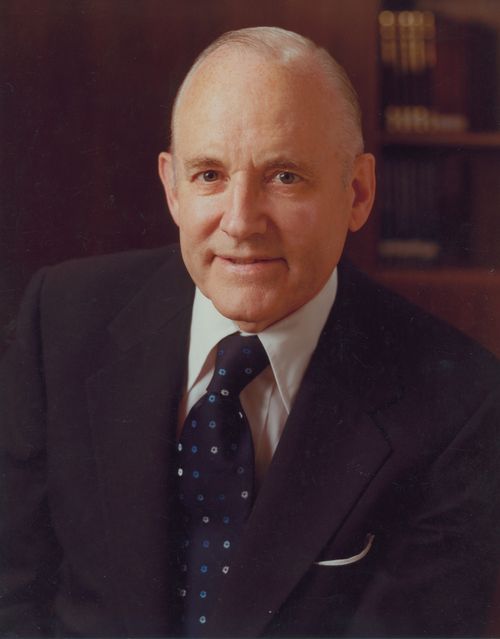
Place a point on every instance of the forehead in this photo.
(239, 94)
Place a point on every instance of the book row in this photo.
(424, 207)
(438, 74)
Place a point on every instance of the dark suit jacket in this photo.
(394, 433)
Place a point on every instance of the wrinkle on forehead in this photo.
(284, 104)
(229, 73)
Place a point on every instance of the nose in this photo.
(243, 214)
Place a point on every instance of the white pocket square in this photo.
(350, 560)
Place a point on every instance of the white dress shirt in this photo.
(268, 399)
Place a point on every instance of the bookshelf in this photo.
(98, 161)
(437, 220)
(461, 140)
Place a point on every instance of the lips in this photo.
(249, 265)
(247, 260)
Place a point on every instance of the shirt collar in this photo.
(289, 343)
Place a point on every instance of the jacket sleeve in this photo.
(440, 566)
(29, 553)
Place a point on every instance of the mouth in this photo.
(249, 266)
(246, 260)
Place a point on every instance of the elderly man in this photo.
(339, 476)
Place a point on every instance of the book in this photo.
(424, 207)
(438, 74)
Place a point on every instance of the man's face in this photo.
(259, 188)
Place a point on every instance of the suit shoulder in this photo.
(108, 277)
(91, 291)
(426, 355)
(98, 271)
(432, 344)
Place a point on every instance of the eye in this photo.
(208, 176)
(287, 177)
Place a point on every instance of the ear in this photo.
(167, 177)
(363, 190)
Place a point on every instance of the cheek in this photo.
(315, 244)
(197, 219)
(306, 229)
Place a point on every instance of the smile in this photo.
(252, 266)
(247, 260)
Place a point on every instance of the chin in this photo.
(240, 315)
(249, 317)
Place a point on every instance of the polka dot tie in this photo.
(216, 477)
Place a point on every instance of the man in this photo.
(375, 427)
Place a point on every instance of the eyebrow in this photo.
(282, 162)
(201, 162)
(279, 162)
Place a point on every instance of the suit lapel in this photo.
(322, 466)
(330, 451)
(133, 402)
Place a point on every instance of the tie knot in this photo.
(238, 361)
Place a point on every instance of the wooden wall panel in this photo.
(87, 89)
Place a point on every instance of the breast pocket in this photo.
(342, 569)
(345, 561)
(329, 593)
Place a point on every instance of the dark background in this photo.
(86, 91)
(86, 88)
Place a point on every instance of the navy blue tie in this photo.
(216, 477)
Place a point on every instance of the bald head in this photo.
(266, 175)
(295, 54)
